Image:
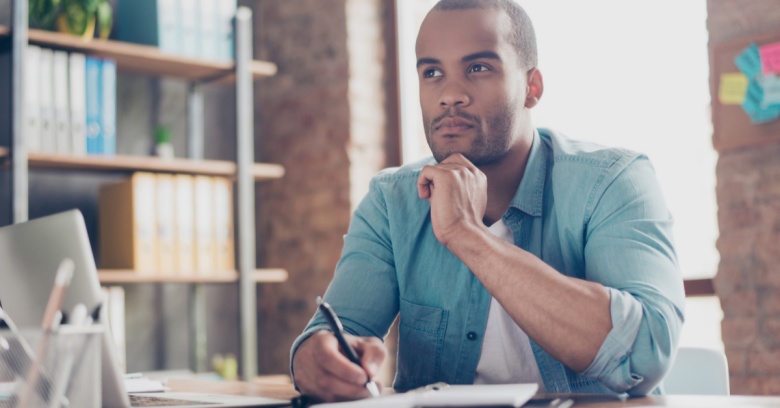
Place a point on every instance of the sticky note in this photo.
(733, 87)
(765, 116)
(770, 58)
(749, 61)
(771, 87)
(752, 105)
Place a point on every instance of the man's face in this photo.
(472, 86)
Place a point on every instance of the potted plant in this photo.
(77, 17)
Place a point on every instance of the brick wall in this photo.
(322, 117)
(748, 191)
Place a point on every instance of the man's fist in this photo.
(322, 371)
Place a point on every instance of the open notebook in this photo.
(505, 395)
(30, 252)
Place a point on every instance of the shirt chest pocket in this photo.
(421, 340)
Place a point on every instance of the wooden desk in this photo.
(286, 391)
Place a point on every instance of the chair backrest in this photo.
(698, 371)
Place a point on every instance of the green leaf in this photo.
(43, 13)
(77, 17)
(91, 5)
(105, 16)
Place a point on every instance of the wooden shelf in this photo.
(117, 276)
(144, 59)
(260, 171)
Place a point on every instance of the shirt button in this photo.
(471, 336)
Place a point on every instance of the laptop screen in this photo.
(31, 252)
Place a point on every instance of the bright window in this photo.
(630, 74)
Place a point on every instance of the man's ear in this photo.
(535, 87)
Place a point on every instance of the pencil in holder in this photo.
(51, 369)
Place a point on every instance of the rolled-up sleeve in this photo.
(364, 289)
(629, 249)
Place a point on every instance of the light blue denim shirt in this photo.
(590, 212)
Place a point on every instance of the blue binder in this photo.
(93, 82)
(108, 114)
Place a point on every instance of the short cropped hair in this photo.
(522, 36)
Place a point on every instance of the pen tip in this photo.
(318, 299)
(372, 388)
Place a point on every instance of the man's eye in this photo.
(478, 68)
(431, 72)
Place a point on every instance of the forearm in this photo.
(549, 306)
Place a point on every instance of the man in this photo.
(517, 255)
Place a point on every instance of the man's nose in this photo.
(454, 94)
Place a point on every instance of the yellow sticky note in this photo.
(732, 88)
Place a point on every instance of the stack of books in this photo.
(70, 101)
(191, 28)
(167, 225)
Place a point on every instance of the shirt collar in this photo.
(530, 192)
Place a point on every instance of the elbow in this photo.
(636, 362)
(634, 375)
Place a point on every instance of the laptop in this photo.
(31, 252)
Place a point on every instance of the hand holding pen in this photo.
(346, 348)
(324, 369)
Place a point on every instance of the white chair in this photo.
(698, 371)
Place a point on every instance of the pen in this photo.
(61, 281)
(338, 331)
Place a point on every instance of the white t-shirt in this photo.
(507, 357)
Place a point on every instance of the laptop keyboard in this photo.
(148, 401)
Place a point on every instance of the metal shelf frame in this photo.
(245, 183)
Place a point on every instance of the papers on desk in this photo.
(514, 395)
(143, 384)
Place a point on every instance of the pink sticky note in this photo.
(770, 58)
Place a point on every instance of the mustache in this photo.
(454, 113)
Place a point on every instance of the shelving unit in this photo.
(260, 171)
(144, 59)
(245, 172)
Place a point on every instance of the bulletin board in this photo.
(732, 127)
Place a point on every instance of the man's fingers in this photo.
(321, 370)
(372, 354)
(333, 389)
(424, 181)
(452, 164)
(459, 159)
(333, 363)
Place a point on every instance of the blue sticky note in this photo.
(765, 115)
(753, 104)
(749, 61)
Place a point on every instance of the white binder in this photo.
(185, 224)
(61, 111)
(46, 100)
(189, 29)
(209, 29)
(78, 103)
(205, 264)
(32, 98)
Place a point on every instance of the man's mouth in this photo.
(453, 125)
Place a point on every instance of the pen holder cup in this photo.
(67, 373)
